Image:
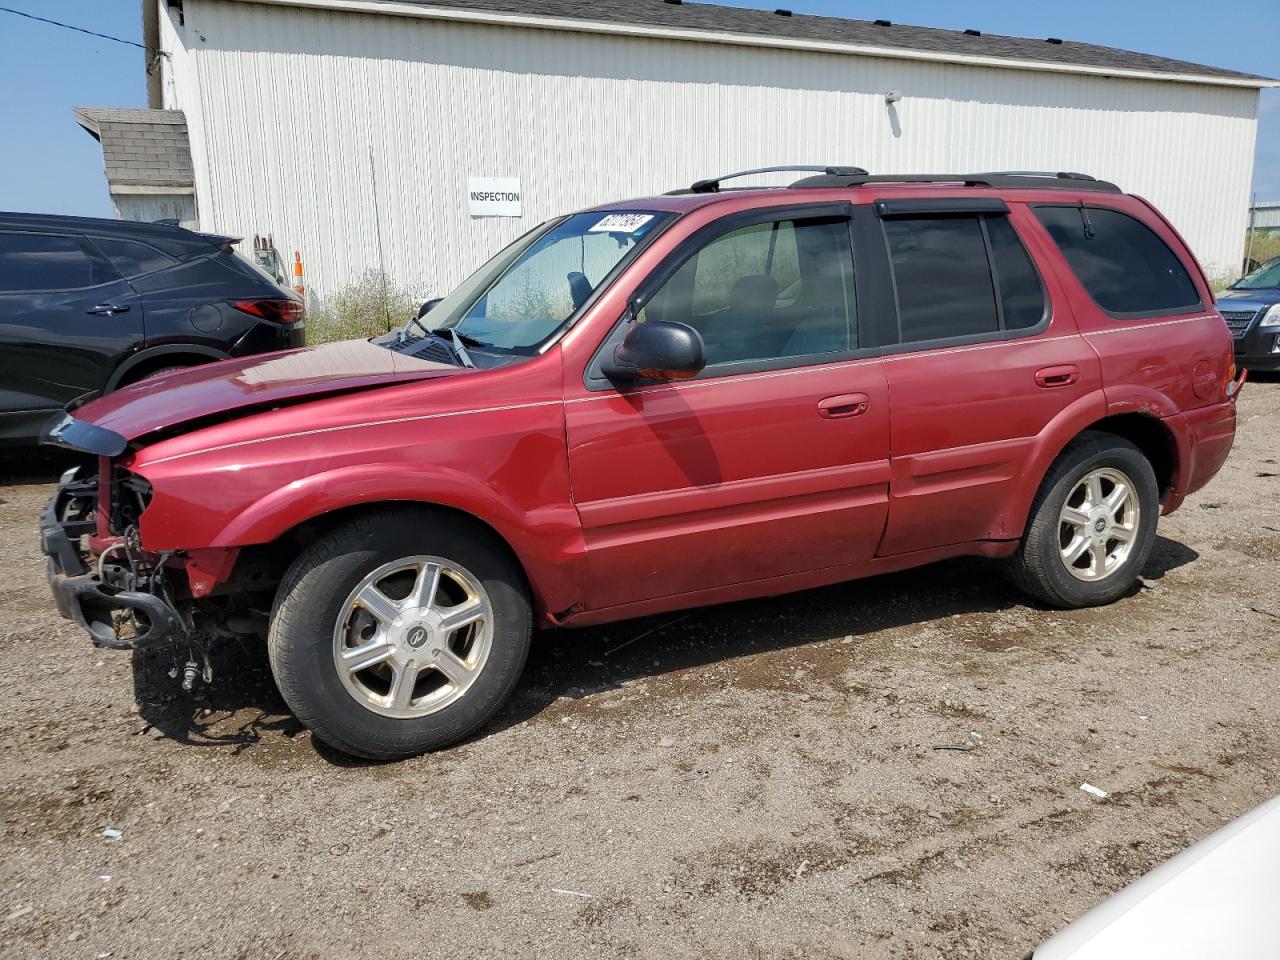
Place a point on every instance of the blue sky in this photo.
(49, 164)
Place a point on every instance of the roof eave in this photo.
(756, 40)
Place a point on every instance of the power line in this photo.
(92, 33)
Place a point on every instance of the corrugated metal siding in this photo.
(1266, 216)
(285, 104)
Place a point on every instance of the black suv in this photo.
(88, 305)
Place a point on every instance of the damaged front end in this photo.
(120, 596)
(102, 577)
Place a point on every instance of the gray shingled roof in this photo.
(764, 23)
(141, 148)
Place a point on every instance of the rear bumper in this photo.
(1204, 438)
(81, 596)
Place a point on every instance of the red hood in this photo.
(262, 381)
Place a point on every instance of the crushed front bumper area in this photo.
(79, 593)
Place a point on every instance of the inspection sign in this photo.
(493, 196)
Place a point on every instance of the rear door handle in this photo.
(108, 309)
(1062, 376)
(844, 405)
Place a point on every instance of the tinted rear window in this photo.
(1125, 267)
(39, 261)
(943, 278)
(1021, 295)
(131, 258)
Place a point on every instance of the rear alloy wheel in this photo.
(400, 632)
(1098, 524)
(1092, 525)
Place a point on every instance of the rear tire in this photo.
(1092, 524)
(129, 381)
(386, 590)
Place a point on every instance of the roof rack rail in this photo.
(1000, 180)
(1061, 175)
(712, 185)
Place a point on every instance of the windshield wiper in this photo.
(455, 342)
(466, 338)
(413, 321)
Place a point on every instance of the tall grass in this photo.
(373, 304)
(1265, 245)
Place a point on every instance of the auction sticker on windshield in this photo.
(621, 223)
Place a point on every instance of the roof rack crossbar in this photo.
(712, 184)
(1030, 181)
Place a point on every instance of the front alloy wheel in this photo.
(400, 631)
(413, 636)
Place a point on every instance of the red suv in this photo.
(689, 399)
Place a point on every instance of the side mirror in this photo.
(658, 350)
(428, 306)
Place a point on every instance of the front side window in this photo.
(524, 294)
(37, 262)
(778, 289)
(1122, 264)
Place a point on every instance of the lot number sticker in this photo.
(621, 223)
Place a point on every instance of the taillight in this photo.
(1231, 386)
(282, 310)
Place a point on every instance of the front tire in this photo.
(399, 632)
(1092, 524)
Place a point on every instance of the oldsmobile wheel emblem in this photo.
(416, 637)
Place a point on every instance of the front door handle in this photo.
(845, 405)
(1061, 376)
(109, 309)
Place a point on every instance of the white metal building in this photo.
(349, 129)
(1265, 215)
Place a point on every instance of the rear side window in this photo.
(35, 262)
(961, 276)
(1125, 267)
(131, 258)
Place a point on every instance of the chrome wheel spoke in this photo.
(1073, 551)
(467, 612)
(401, 693)
(456, 671)
(1075, 517)
(1098, 558)
(1094, 487)
(1116, 498)
(425, 587)
(367, 655)
(378, 605)
(1123, 534)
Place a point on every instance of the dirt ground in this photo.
(756, 780)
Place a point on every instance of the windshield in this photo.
(522, 296)
(1266, 277)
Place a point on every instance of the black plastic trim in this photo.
(940, 206)
(66, 431)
